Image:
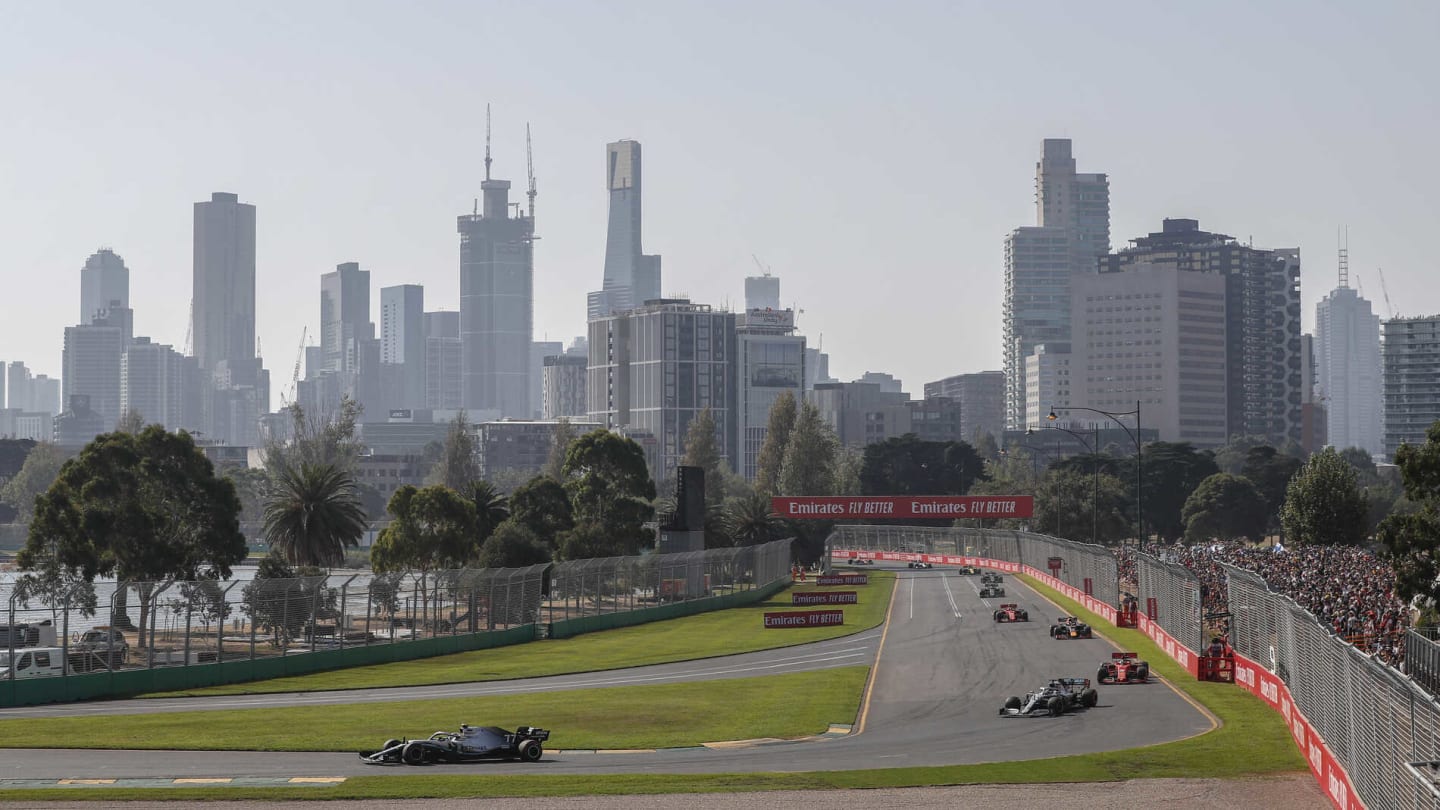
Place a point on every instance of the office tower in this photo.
(1262, 330)
(18, 377)
(762, 292)
(539, 350)
(224, 279)
(1348, 368)
(1412, 384)
(862, 413)
(92, 366)
(344, 317)
(631, 277)
(1156, 334)
(103, 280)
(1314, 425)
(772, 362)
(442, 361)
(497, 279)
(45, 395)
(817, 367)
(652, 369)
(402, 344)
(563, 387)
(887, 382)
(982, 401)
(519, 447)
(1072, 232)
(162, 385)
(1047, 381)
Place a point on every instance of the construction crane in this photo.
(190, 330)
(1383, 291)
(487, 140)
(764, 268)
(530, 171)
(295, 375)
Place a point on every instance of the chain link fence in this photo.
(1382, 727)
(1170, 594)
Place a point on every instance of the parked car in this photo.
(33, 662)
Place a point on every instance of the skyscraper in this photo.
(631, 277)
(402, 344)
(104, 279)
(92, 366)
(1262, 327)
(1412, 388)
(224, 287)
(771, 359)
(1348, 369)
(1072, 232)
(442, 360)
(497, 281)
(344, 317)
(539, 350)
(762, 292)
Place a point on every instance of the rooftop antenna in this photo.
(1344, 239)
(487, 140)
(530, 170)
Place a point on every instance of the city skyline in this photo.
(774, 177)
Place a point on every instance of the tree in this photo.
(703, 450)
(1066, 503)
(282, 599)
(250, 486)
(849, 468)
(1364, 464)
(146, 508)
(131, 421)
(432, 528)
(319, 439)
(491, 508)
(1323, 503)
(1230, 458)
(314, 513)
(512, 545)
(777, 438)
(986, 447)
(1172, 470)
(39, 471)
(1413, 537)
(610, 493)
(542, 506)
(809, 465)
(559, 447)
(1270, 471)
(908, 465)
(457, 467)
(586, 541)
(1226, 507)
(749, 521)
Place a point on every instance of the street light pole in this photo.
(1094, 451)
(1114, 416)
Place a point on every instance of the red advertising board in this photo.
(890, 507)
(843, 579)
(804, 618)
(825, 598)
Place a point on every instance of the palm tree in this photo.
(750, 521)
(491, 508)
(314, 513)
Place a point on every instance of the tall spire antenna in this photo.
(1344, 257)
(487, 140)
(530, 171)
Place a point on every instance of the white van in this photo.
(34, 662)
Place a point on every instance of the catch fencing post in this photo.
(220, 617)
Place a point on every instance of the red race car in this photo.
(1123, 667)
(1011, 613)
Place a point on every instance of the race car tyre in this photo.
(530, 751)
(390, 743)
(1142, 674)
(1023, 616)
(1012, 702)
(1057, 706)
(1101, 675)
(415, 755)
(1089, 698)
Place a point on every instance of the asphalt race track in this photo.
(944, 669)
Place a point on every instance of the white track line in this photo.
(982, 599)
(954, 608)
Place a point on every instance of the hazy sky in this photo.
(873, 154)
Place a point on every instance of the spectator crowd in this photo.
(1348, 589)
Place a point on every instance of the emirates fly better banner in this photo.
(804, 618)
(904, 507)
(825, 598)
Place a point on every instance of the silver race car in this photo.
(469, 744)
(1056, 697)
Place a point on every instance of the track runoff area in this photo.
(942, 670)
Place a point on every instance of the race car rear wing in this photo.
(1118, 655)
(1009, 606)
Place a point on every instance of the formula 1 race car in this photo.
(1011, 613)
(1123, 667)
(1070, 627)
(1053, 699)
(992, 591)
(969, 570)
(469, 744)
(921, 565)
(991, 578)
(860, 562)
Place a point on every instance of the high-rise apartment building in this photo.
(1047, 381)
(762, 292)
(18, 377)
(653, 368)
(1412, 380)
(403, 344)
(344, 317)
(539, 351)
(1349, 373)
(563, 384)
(497, 280)
(162, 385)
(981, 396)
(92, 366)
(442, 361)
(631, 277)
(817, 368)
(104, 280)
(771, 361)
(1157, 335)
(1072, 232)
(1262, 330)
(224, 286)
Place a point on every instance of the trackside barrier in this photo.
(1171, 593)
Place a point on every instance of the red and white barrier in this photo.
(1182, 655)
(1326, 769)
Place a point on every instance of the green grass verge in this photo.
(705, 635)
(669, 715)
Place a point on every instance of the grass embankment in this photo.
(705, 635)
(670, 715)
